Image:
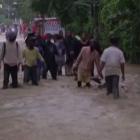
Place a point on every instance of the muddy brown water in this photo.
(58, 110)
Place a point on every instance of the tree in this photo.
(25, 10)
(43, 7)
(71, 12)
(121, 18)
(106, 17)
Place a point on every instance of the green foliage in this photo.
(68, 11)
(43, 7)
(25, 10)
(121, 18)
(20, 8)
(109, 18)
(4, 20)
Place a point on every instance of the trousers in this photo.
(30, 73)
(53, 70)
(112, 84)
(13, 72)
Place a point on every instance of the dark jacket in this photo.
(49, 53)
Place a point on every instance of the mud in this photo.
(58, 110)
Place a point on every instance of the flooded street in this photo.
(58, 110)
(43, 43)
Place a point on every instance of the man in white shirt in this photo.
(114, 62)
(11, 58)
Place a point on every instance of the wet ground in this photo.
(58, 110)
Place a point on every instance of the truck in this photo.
(44, 26)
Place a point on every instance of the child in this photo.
(31, 57)
(113, 60)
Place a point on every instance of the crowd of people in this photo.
(77, 53)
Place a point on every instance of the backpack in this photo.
(4, 50)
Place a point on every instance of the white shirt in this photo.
(113, 57)
(13, 54)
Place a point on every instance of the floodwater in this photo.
(58, 110)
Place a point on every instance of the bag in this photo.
(4, 50)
